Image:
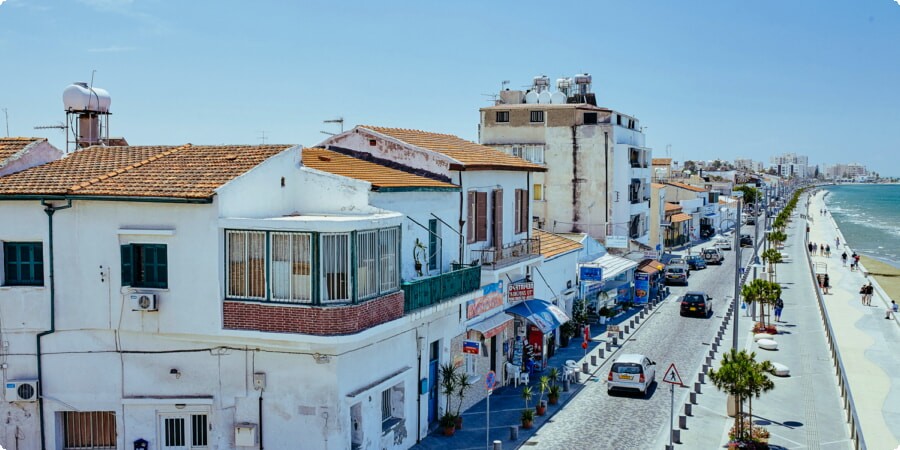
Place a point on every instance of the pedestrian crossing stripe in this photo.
(672, 375)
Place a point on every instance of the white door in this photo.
(183, 431)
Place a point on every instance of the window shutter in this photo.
(498, 218)
(470, 219)
(480, 216)
(526, 216)
(127, 265)
(518, 210)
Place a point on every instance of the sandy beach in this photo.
(888, 276)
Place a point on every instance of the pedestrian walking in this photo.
(844, 259)
(779, 306)
(862, 294)
(821, 249)
(826, 283)
(856, 259)
(837, 243)
(870, 290)
(827, 251)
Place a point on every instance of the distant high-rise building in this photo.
(791, 165)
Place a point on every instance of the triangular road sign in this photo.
(672, 375)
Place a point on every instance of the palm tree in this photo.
(753, 292)
(758, 383)
(772, 257)
(448, 381)
(777, 237)
(732, 379)
(462, 385)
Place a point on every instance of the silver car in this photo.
(631, 372)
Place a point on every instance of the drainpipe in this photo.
(462, 222)
(606, 167)
(261, 419)
(49, 209)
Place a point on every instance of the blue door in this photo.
(432, 383)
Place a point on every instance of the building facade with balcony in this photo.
(221, 297)
(598, 168)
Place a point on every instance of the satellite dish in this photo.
(544, 97)
(531, 97)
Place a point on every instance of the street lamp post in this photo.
(737, 275)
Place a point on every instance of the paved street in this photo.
(628, 421)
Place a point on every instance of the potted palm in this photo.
(544, 384)
(448, 379)
(527, 413)
(462, 385)
(448, 424)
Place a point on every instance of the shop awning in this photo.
(681, 217)
(492, 325)
(651, 266)
(612, 265)
(543, 314)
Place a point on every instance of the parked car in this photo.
(680, 262)
(746, 240)
(722, 243)
(676, 275)
(631, 372)
(696, 304)
(750, 221)
(713, 255)
(695, 262)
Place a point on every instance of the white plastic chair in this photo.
(513, 373)
(524, 378)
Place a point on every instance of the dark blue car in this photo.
(695, 262)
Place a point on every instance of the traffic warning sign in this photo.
(672, 376)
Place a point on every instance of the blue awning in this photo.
(543, 314)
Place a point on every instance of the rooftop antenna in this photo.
(7, 121)
(493, 97)
(503, 84)
(59, 126)
(262, 137)
(339, 120)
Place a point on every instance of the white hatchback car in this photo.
(632, 372)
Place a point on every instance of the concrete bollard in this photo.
(715, 347)
(688, 409)
(626, 329)
(608, 346)
(704, 368)
(682, 422)
(565, 384)
(631, 323)
(615, 341)
(621, 335)
(498, 445)
(600, 353)
(693, 397)
(593, 360)
(712, 354)
(585, 369)
(513, 432)
(676, 436)
(697, 387)
(701, 377)
(708, 361)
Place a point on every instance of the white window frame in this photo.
(299, 285)
(188, 430)
(244, 256)
(536, 113)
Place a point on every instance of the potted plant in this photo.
(462, 385)
(448, 424)
(544, 384)
(553, 395)
(448, 379)
(761, 434)
(604, 314)
(419, 250)
(566, 332)
(527, 413)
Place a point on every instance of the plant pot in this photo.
(564, 340)
(526, 424)
(458, 420)
(541, 409)
(448, 431)
(553, 399)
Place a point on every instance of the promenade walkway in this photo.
(804, 410)
(869, 344)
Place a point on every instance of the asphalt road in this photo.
(596, 419)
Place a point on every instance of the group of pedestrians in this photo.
(866, 291)
(819, 249)
(854, 261)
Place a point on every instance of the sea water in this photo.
(869, 218)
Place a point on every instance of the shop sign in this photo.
(617, 242)
(492, 298)
(624, 294)
(589, 273)
(521, 291)
(471, 347)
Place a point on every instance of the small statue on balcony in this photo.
(419, 251)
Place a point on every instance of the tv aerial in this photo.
(339, 120)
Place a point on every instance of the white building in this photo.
(20, 153)
(598, 169)
(221, 297)
(791, 165)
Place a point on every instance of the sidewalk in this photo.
(506, 403)
(804, 410)
(869, 344)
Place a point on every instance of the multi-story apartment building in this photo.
(791, 165)
(598, 168)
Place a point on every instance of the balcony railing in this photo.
(433, 290)
(494, 257)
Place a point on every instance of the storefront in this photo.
(649, 274)
(535, 325)
(615, 285)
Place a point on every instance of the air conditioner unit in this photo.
(22, 391)
(142, 302)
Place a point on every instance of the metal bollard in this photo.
(626, 329)
(697, 387)
(631, 323)
(715, 347)
(608, 346)
(688, 409)
(615, 341)
(705, 368)
(600, 353)
(682, 422)
(621, 335)
(565, 384)
(693, 397)
(593, 360)
(712, 354)
(498, 445)
(513, 432)
(676, 436)
(585, 369)
(701, 377)
(708, 361)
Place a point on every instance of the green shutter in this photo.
(127, 265)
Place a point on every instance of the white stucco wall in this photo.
(35, 154)
(391, 149)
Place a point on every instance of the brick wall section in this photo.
(316, 320)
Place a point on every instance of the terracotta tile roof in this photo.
(681, 217)
(686, 186)
(661, 161)
(380, 176)
(553, 244)
(185, 172)
(470, 155)
(672, 207)
(9, 146)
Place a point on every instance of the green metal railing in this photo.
(433, 290)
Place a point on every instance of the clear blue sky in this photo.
(712, 78)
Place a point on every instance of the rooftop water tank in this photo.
(531, 97)
(558, 98)
(545, 97)
(541, 83)
(79, 97)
